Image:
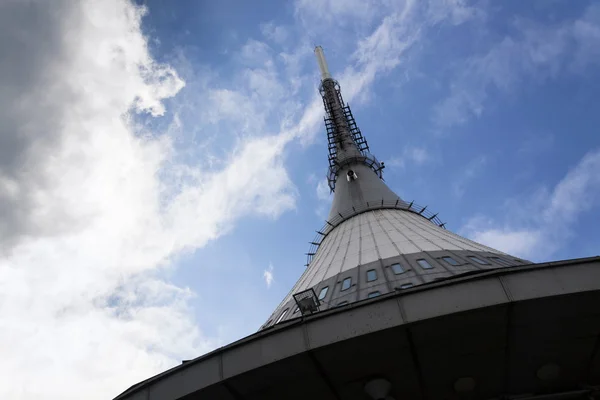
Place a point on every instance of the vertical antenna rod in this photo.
(322, 63)
(341, 135)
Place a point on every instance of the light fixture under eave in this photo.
(378, 389)
(307, 301)
(548, 372)
(464, 385)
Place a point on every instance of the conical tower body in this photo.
(373, 241)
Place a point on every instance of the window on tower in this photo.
(450, 260)
(478, 260)
(371, 275)
(373, 294)
(282, 315)
(323, 292)
(406, 285)
(397, 268)
(424, 264)
(501, 261)
(346, 283)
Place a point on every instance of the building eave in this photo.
(460, 295)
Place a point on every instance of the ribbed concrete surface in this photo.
(377, 235)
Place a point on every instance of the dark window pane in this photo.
(501, 261)
(346, 283)
(450, 260)
(424, 264)
(373, 294)
(397, 268)
(282, 315)
(342, 303)
(406, 285)
(371, 275)
(478, 260)
(297, 309)
(323, 292)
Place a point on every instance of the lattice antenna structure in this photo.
(346, 144)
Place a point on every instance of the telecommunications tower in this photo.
(392, 305)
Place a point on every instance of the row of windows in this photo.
(397, 269)
(342, 303)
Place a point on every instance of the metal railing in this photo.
(366, 159)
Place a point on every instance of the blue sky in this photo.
(483, 109)
(159, 201)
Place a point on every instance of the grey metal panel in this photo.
(343, 296)
(267, 349)
(354, 321)
(188, 380)
(279, 380)
(142, 394)
(385, 352)
(435, 276)
(454, 298)
(539, 283)
(367, 188)
(381, 287)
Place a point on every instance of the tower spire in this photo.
(355, 175)
(373, 242)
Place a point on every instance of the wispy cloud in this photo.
(539, 226)
(84, 231)
(323, 191)
(537, 53)
(467, 174)
(325, 198)
(275, 33)
(268, 275)
(410, 155)
(105, 203)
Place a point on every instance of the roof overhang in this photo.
(522, 330)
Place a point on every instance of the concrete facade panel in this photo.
(267, 349)
(353, 322)
(143, 394)
(188, 380)
(450, 299)
(387, 251)
(538, 283)
(407, 248)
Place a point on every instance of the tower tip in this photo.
(322, 63)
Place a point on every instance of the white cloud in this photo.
(470, 172)
(276, 33)
(454, 11)
(411, 155)
(323, 191)
(268, 276)
(537, 53)
(538, 227)
(94, 206)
